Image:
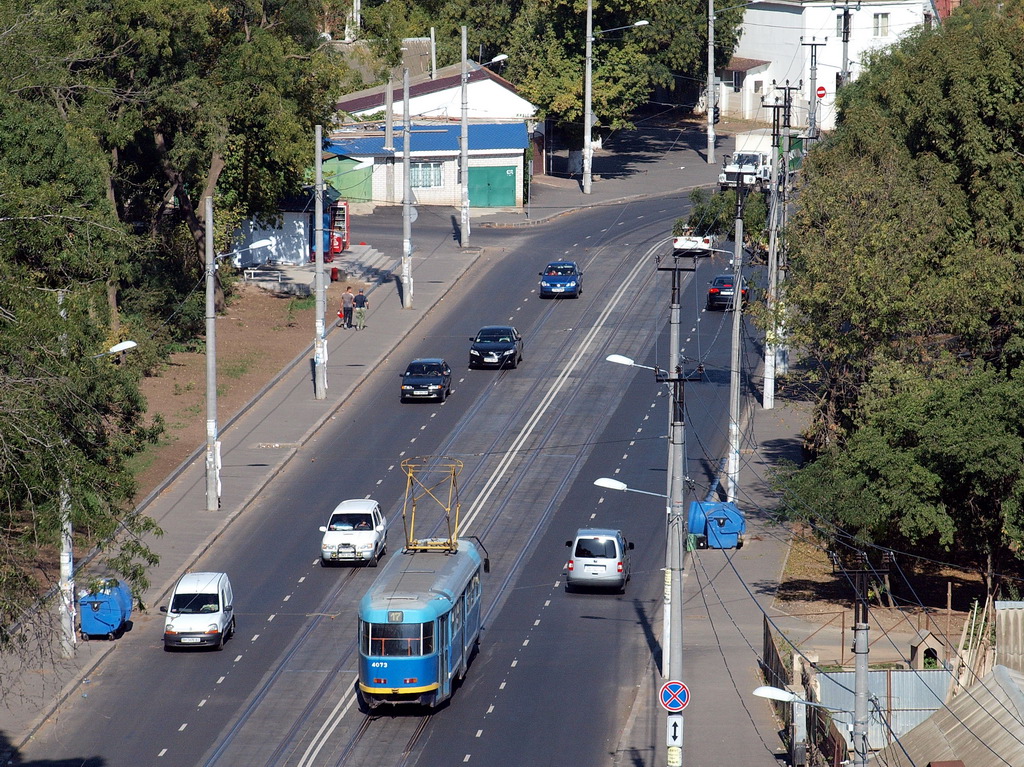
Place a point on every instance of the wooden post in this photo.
(949, 615)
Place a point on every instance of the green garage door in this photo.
(492, 187)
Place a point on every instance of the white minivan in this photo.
(200, 612)
(600, 559)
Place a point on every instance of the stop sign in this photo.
(821, 91)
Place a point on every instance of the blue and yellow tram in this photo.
(419, 624)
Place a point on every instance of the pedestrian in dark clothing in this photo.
(347, 302)
(361, 304)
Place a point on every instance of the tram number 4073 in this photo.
(379, 664)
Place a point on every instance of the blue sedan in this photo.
(561, 278)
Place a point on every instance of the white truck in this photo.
(750, 163)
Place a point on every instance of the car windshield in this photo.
(561, 270)
(603, 548)
(746, 159)
(423, 369)
(350, 521)
(502, 335)
(193, 604)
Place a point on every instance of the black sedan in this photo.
(721, 292)
(429, 378)
(496, 346)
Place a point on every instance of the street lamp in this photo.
(212, 443)
(613, 484)
(588, 119)
(672, 622)
(66, 583)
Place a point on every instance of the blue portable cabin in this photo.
(105, 611)
(721, 525)
(419, 624)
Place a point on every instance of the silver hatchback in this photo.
(599, 559)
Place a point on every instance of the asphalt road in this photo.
(532, 441)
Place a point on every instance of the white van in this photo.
(356, 532)
(600, 559)
(200, 612)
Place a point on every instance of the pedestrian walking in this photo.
(361, 305)
(347, 302)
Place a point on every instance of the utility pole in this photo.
(812, 113)
(861, 628)
(389, 142)
(588, 157)
(781, 350)
(320, 336)
(775, 353)
(406, 196)
(768, 398)
(464, 147)
(711, 82)
(675, 552)
(733, 471)
(844, 75)
(212, 443)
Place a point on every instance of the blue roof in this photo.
(441, 138)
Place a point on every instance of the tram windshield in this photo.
(397, 639)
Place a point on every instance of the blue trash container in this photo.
(105, 611)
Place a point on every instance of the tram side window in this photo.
(473, 592)
(397, 639)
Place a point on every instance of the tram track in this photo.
(541, 396)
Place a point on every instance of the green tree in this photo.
(935, 465)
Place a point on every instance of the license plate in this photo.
(421, 393)
(557, 290)
(493, 358)
(190, 640)
(595, 569)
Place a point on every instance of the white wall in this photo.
(772, 31)
(487, 100)
(290, 242)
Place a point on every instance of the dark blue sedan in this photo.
(561, 278)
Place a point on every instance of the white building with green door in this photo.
(363, 170)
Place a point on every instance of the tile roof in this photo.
(447, 78)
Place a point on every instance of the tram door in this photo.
(444, 678)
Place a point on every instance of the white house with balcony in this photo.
(775, 46)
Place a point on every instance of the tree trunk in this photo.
(193, 217)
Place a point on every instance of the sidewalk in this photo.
(260, 440)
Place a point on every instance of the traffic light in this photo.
(716, 117)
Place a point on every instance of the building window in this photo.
(880, 25)
(425, 175)
(758, 86)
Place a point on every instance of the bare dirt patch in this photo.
(258, 335)
(814, 589)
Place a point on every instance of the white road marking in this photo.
(547, 602)
(536, 622)
(304, 577)
(271, 617)
(287, 597)
(600, 500)
(515, 663)
(490, 708)
(327, 728)
(423, 427)
(162, 752)
(625, 456)
(254, 637)
(239, 657)
(202, 703)
(220, 680)
(501, 686)
(593, 515)
(391, 467)
(526, 642)
(465, 758)
(183, 727)
(379, 481)
(479, 733)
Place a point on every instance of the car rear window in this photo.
(598, 548)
